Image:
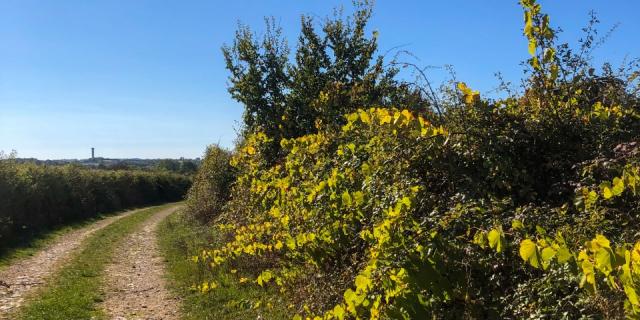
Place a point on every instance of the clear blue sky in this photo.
(146, 78)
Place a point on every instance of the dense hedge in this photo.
(211, 185)
(37, 197)
(520, 207)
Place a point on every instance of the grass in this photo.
(77, 287)
(180, 238)
(31, 244)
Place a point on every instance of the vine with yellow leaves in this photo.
(410, 214)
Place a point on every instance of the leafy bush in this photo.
(335, 71)
(37, 197)
(520, 207)
(211, 185)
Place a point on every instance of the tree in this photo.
(334, 72)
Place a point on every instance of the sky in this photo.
(146, 78)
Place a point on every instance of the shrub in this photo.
(37, 197)
(520, 207)
(211, 185)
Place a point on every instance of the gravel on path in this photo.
(21, 278)
(135, 287)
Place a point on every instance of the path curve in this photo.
(25, 275)
(135, 287)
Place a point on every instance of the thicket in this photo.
(34, 198)
(211, 185)
(455, 206)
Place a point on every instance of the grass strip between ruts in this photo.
(76, 289)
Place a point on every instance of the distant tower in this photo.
(93, 155)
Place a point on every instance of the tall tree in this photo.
(334, 71)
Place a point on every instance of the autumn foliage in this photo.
(461, 207)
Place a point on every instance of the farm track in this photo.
(24, 276)
(135, 287)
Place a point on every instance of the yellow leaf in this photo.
(362, 283)
(635, 253)
(495, 240)
(472, 97)
(529, 253)
(631, 295)
(352, 117)
(533, 44)
(364, 117)
(600, 241)
(618, 186)
(603, 259)
(291, 243)
(463, 87)
(607, 193)
(385, 118)
(338, 312)
(407, 114)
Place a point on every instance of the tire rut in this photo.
(23, 277)
(135, 287)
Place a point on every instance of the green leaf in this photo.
(366, 170)
(548, 253)
(517, 224)
(346, 199)
(406, 202)
(564, 255)
(480, 239)
(549, 54)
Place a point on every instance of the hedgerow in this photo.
(211, 185)
(518, 207)
(35, 198)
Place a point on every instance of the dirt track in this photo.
(135, 285)
(24, 276)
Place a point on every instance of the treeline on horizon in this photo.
(36, 198)
(182, 166)
(355, 194)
